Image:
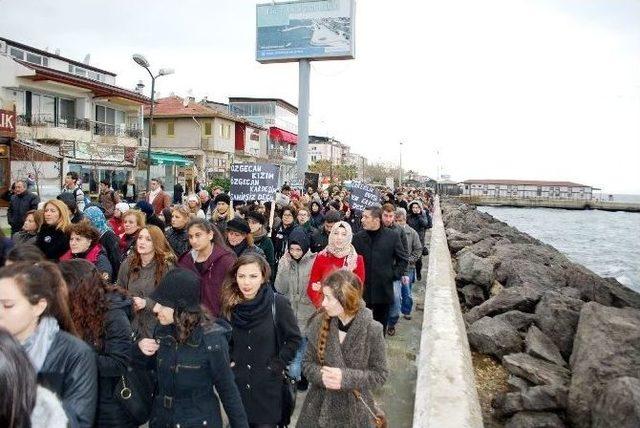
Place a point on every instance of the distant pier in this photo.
(567, 204)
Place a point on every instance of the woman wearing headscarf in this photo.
(339, 254)
(108, 238)
(117, 221)
(194, 205)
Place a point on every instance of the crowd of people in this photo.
(124, 311)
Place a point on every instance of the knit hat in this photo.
(179, 289)
(258, 217)
(145, 207)
(333, 216)
(239, 225)
(123, 207)
(222, 197)
(300, 237)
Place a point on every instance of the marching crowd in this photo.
(126, 311)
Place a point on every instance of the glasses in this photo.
(287, 215)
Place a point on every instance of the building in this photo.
(186, 132)
(327, 149)
(281, 120)
(70, 116)
(360, 163)
(526, 189)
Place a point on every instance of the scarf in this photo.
(96, 217)
(153, 194)
(238, 249)
(38, 344)
(249, 313)
(345, 251)
(259, 235)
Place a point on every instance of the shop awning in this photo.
(282, 136)
(160, 158)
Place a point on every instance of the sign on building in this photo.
(253, 182)
(305, 29)
(7, 123)
(363, 196)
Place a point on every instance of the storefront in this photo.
(165, 166)
(7, 134)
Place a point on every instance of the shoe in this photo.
(407, 317)
(391, 331)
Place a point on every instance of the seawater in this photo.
(608, 243)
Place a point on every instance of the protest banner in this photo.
(253, 182)
(362, 196)
(311, 179)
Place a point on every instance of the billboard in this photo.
(315, 29)
(253, 182)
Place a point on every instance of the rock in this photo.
(606, 347)
(474, 269)
(515, 298)
(619, 405)
(538, 345)
(473, 295)
(529, 264)
(557, 316)
(597, 289)
(545, 397)
(494, 337)
(481, 248)
(517, 383)
(574, 293)
(496, 288)
(535, 420)
(535, 370)
(518, 320)
(507, 404)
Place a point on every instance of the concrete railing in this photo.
(446, 394)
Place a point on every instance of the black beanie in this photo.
(179, 289)
(239, 225)
(255, 215)
(222, 197)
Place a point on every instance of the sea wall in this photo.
(445, 390)
(569, 338)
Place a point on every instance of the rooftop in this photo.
(526, 182)
(279, 101)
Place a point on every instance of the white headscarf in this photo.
(346, 251)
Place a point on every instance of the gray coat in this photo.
(292, 280)
(414, 245)
(363, 361)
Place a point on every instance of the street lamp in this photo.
(400, 178)
(142, 62)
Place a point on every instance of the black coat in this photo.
(111, 244)
(19, 205)
(114, 355)
(53, 242)
(186, 375)
(178, 239)
(257, 369)
(319, 240)
(419, 223)
(155, 221)
(385, 260)
(70, 371)
(280, 238)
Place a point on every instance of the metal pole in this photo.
(304, 71)
(153, 86)
(400, 179)
(331, 161)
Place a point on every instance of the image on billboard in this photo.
(317, 29)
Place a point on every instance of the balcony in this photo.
(280, 153)
(121, 134)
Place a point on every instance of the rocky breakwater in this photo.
(569, 338)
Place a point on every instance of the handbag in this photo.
(379, 418)
(289, 385)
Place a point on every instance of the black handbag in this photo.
(134, 392)
(289, 385)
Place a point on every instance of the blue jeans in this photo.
(295, 367)
(406, 299)
(394, 308)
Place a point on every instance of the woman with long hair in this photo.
(141, 272)
(133, 221)
(35, 310)
(190, 357)
(265, 338)
(108, 239)
(210, 259)
(101, 315)
(53, 238)
(24, 253)
(338, 254)
(23, 403)
(29, 232)
(177, 233)
(84, 244)
(116, 222)
(194, 206)
(345, 358)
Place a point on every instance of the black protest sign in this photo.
(253, 182)
(311, 179)
(363, 196)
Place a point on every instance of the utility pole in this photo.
(400, 178)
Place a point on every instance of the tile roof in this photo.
(526, 183)
(175, 106)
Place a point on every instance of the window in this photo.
(170, 129)
(17, 53)
(153, 129)
(207, 129)
(67, 113)
(220, 130)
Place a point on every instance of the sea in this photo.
(606, 242)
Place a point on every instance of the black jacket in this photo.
(53, 242)
(111, 244)
(186, 374)
(257, 369)
(419, 223)
(319, 240)
(70, 371)
(280, 238)
(114, 355)
(19, 205)
(178, 239)
(155, 221)
(385, 260)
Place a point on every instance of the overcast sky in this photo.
(544, 89)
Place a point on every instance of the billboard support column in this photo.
(304, 72)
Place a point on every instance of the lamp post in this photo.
(142, 62)
(400, 178)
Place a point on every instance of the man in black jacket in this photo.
(320, 238)
(21, 202)
(385, 260)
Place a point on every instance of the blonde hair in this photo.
(65, 215)
(141, 219)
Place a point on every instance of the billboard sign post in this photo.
(253, 182)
